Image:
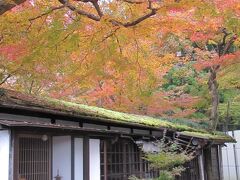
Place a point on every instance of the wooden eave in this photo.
(48, 113)
(12, 123)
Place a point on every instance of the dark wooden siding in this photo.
(212, 163)
(192, 171)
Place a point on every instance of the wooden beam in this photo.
(15, 155)
(208, 163)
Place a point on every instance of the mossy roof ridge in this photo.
(196, 124)
(120, 116)
(216, 136)
(21, 99)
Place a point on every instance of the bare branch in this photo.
(140, 19)
(84, 13)
(229, 44)
(226, 34)
(100, 14)
(110, 34)
(79, 11)
(96, 5)
(48, 12)
(134, 22)
(118, 42)
(6, 5)
(5, 79)
(134, 1)
(1, 39)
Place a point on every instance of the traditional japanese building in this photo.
(46, 139)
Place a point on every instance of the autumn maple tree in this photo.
(114, 54)
(221, 54)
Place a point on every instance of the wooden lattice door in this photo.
(34, 157)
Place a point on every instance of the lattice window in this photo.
(34, 158)
(122, 159)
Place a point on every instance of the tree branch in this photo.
(6, 5)
(79, 11)
(140, 19)
(46, 13)
(5, 79)
(134, 22)
(1, 39)
(229, 44)
(96, 6)
(134, 2)
(110, 34)
(100, 14)
(83, 13)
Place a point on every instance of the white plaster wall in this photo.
(228, 158)
(4, 154)
(94, 153)
(61, 157)
(78, 160)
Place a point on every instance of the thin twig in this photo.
(46, 13)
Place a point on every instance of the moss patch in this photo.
(121, 117)
(218, 136)
(186, 126)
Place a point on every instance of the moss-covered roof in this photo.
(217, 136)
(13, 99)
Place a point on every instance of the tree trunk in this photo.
(6, 5)
(213, 88)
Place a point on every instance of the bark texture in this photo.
(6, 5)
(222, 49)
(213, 88)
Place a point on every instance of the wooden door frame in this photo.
(16, 136)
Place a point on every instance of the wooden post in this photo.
(15, 155)
(124, 160)
(208, 163)
(86, 158)
(105, 160)
(212, 163)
